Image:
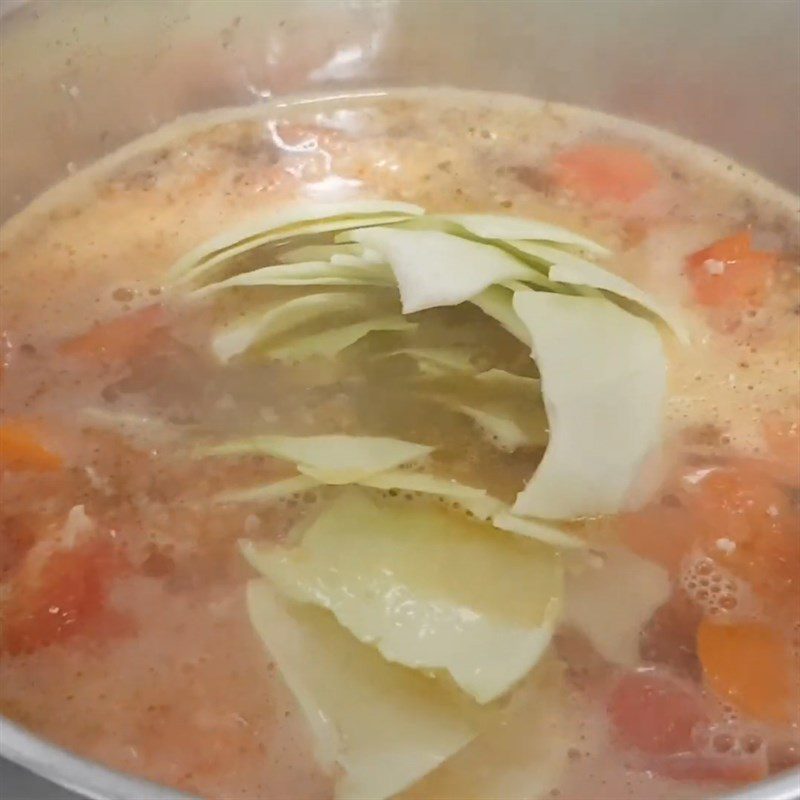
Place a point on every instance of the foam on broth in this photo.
(174, 685)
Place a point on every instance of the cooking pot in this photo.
(79, 78)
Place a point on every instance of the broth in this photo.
(125, 634)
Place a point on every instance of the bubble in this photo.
(712, 587)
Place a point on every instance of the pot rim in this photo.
(96, 782)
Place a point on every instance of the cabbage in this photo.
(507, 408)
(306, 273)
(504, 227)
(279, 319)
(496, 302)
(330, 343)
(428, 589)
(571, 269)
(500, 430)
(298, 220)
(603, 375)
(317, 252)
(269, 493)
(534, 529)
(383, 725)
(435, 269)
(520, 755)
(331, 458)
(612, 619)
(438, 361)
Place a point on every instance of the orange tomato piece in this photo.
(21, 448)
(730, 274)
(742, 504)
(595, 172)
(118, 339)
(748, 665)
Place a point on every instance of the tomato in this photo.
(118, 339)
(731, 274)
(654, 713)
(21, 448)
(749, 665)
(717, 768)
(670, 637)
(595, 172)
(63, 596)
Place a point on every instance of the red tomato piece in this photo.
(654, 713)
(62, 597)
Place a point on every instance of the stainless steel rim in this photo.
(96, 782)
(85, 778)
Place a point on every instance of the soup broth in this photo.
(673, 668)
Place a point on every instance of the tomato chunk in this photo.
(118, 339)
(62, 597)
(595, 172)
(21, 448)
(731, 274)
(740, 505)
(654, 713)
(748, 665)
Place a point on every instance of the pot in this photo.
(81, 78)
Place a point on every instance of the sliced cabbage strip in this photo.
(384, 725)
(430, 590)
(438, 361)
(295, 220)
(435, 269)
(500, 226)
(612, 619)
(330, 458)
(265, 324)
(269, 492)
(535, 529)
(306, 273)
(603, 374)
(571, 269)
(329, 343)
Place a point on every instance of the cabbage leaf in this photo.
(265, 324)
(430, 590)
(505, 227)
(330, 458)
(384, 725)
(330, 343)
(436, 269)
(611, 619)
(301, 219)
(603, 376)
(567, 268)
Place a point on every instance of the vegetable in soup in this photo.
(428, 445)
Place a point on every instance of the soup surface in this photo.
(673, 668)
